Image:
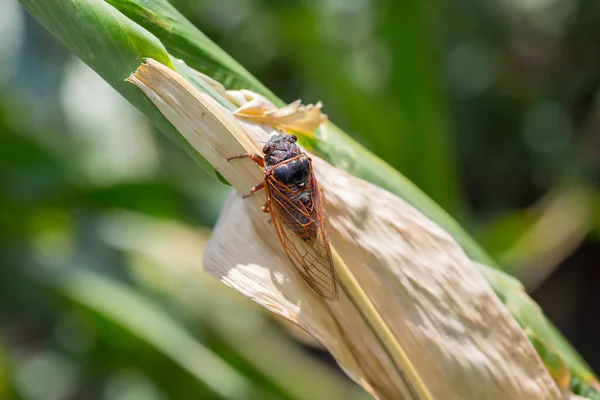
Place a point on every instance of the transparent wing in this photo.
(303, 235)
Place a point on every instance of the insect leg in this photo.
(266, 208)
(255, 189)
(255, 157)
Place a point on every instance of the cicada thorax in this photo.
(295, 175)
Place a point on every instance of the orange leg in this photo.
(255, 157)
(260, 161)
(266, 209)
(255, 189)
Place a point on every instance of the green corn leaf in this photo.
(183, 40)
(112, 45)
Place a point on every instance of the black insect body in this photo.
(295, 175)
(294, 201)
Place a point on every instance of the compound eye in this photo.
(294, 138)
(266, 148)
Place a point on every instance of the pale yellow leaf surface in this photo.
(294, 116)
(459, 340)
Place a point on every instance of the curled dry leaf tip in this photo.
(445, 334)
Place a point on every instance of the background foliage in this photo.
(490, 107)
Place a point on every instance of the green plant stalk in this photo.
(189, 44)
(408, 33)
(114, 46)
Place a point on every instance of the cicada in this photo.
(294, 202)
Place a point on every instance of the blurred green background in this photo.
(491, 107)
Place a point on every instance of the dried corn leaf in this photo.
(294, 116)
(460, 341)
(257, 108)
